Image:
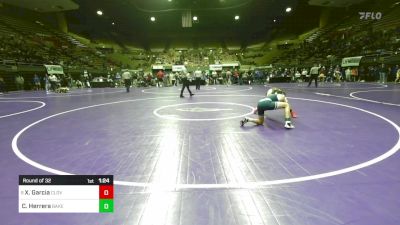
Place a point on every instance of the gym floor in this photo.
(187, 161)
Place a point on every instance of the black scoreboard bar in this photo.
(66, 179)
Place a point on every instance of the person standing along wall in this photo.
(348, 74)
(383, 73)
(160, 77)
(53, 82)
(86, 79)
(172, 77)
(337, 74)
(2, 85)
(198, 75)
(397, 74)
(17, 82)
(237, 77)
(214, 77)
(36, 82)
(228, 75)
(118, 79)
(354, 74)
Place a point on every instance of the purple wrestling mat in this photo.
(187, 161)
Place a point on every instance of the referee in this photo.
(185, 83)
(127, 77)
(314, 71)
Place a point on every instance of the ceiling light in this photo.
(237, 17)
(99, 12)
(152, 18)
(288, 9)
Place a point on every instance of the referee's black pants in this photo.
(313, 77)
(127, 84)
(185, 84)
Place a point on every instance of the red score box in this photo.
(106, 191)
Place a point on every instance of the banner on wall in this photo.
(216, 67)
(178, 68)
(54, 69)
(158, 67)
(234, 64)
(263, 67)
(351, 61)
(223, 65)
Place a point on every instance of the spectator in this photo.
(86, 79)
(149, 77)
(19, 82)
(53, 82)
(337, 73)
(393, 71)
(297, 76)
(348, 74)
(222, 78)
(322, 74)
(2, 85)
(214, 77)
(166, 79)
(354, 74)
(78, 84)
(382, 73)
(36, 82)
(68, 80)
(118, 79)
(361, 74)
(198, 75)
(251, 77)
(304, 74)
(236, 76)
(397, 75)
(172, 77)
(245, 77)
(160, 77)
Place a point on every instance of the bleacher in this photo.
(389, 20)
(42, 44)
(318, 33)
(349, 37)
(23, 27)
(32, 42)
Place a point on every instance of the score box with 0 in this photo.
(66, 193)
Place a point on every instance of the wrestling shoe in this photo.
(242, 122)
(289, 125)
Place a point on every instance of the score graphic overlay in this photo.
(66, 194)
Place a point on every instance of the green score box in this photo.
(106, 206)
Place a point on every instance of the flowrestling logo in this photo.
(370, 15)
